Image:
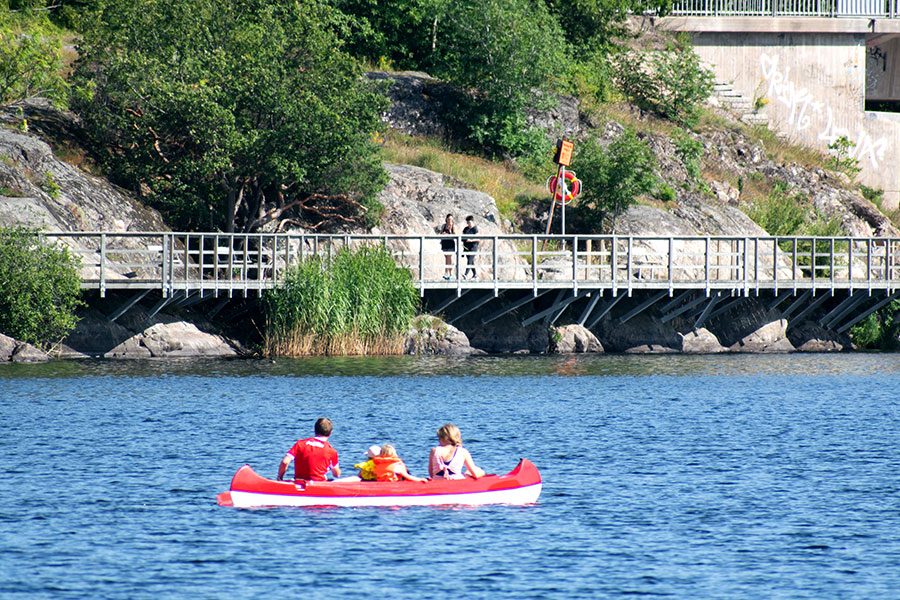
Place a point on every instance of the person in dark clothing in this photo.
(470, 246)
(448, 245)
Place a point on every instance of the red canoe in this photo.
(522, 485)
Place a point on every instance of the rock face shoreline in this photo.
(43, 191)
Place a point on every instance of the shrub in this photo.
(689, 151)
(671, 83)
(613, 177)
(30, 59)
(39, 288)
(780, 213)
(880, 330)
(358, 303)
(840, 158)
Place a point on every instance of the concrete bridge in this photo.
(815, 70)
(592, 276)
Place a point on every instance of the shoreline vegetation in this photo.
(357, 303)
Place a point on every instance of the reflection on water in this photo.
(675, 365)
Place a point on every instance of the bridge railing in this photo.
(224, 263)
(883, 9)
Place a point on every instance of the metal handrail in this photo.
(873, 9)
(217, 262)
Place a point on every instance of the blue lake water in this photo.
(664, 476)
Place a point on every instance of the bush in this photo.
(30, 60)
(690, 151)
(358, 303)
(39, 288)
(780, 213)
(880, 330)
(671, 83)
(613, 177)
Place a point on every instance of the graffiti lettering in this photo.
(803, 108)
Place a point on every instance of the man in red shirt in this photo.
(312, 457)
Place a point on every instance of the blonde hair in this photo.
(450, 432)
(388, 450)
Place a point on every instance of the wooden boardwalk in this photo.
(703, 270)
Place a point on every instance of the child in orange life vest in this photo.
(367, 468)
(389, 466)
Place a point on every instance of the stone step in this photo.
(755, 119)
(722, 87)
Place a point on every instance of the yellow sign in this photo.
(563, 153)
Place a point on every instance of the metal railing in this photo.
(225, 263)
(879, 9)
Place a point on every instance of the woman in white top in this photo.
(448, 459)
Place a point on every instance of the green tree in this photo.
(30, 59)
(39, 288)
(613, 177)
(232, 113)
(672, 83)
(399, 31)
(591, 24)
(500, 51)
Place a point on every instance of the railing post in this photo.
(534, 264)
(164, 268)
(575, 266)
(775, 265)
(628, 265)
(869, 264)
(614, 264)
(422, 265)
(746, 259)
(670, 262)
(832, 266)
(495, 260)
(706, 264)
(794, 267)
(103, 265)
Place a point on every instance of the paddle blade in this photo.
(224, 499)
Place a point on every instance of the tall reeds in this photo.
(358, 303)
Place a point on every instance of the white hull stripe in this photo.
(522, 495)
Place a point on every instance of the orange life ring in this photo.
(574, 187)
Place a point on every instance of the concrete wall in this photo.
(812, 75)
(814, 87)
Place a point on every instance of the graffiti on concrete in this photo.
(805, 111)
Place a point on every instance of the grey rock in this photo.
(640, 335)
(574, 339)
(7, 347)
(771, 337)
(809, 336)
(431, 335)
(26, 353)
(700, 341)
(505, 334)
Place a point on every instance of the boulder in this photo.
(135, 335)
(505, 334)
(771, 337)
(571, 339)
(641, 335)
(700, 341)
(431, 335)
(7, 347)
(26, 353)
(809, 336)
